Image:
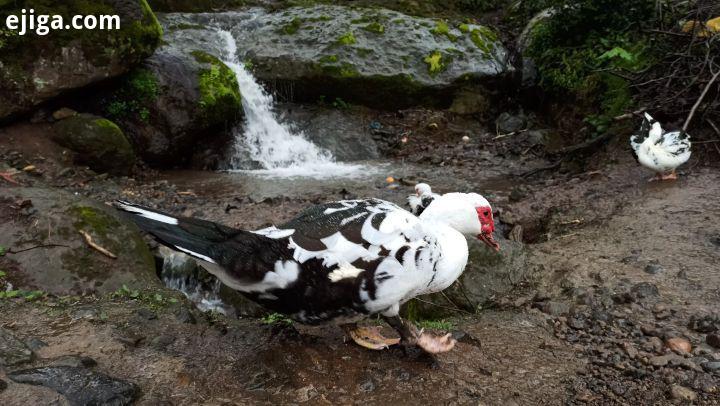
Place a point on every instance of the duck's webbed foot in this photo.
(8, 176)
(369, 337)
(668, 176)
(412, 336)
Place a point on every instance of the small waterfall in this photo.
(265, 140)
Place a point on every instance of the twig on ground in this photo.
(92, 244)
(36, 247)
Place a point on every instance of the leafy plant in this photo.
(276, 318)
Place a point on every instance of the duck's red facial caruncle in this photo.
(487, 227)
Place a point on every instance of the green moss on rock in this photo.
(347, 39)
(435, 63)
(98, 142)
(219, 90)
(443, 29)
(483, 38)
(375, 27)
(291, 27)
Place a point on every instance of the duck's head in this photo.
(423, 189)
(468, 213)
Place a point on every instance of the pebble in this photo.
(147, 314)
(555, 308)
(367, 386)
(630, 350)
(162, 342)
(711, 366)
(678, 392)
(12, 350)
(653, 269)
(644, 290)
(662, 360)
(679, 345)
(3, 385)
(713, 340)
(35, 343)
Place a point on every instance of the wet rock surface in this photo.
(79, 385)
(53, 256)
(36, 68)
(97, 142)
(372, 56)
(12, 350)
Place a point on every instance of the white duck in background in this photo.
(658, 150)
(421, 199)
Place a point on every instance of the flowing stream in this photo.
(272, 147)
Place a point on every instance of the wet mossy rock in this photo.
(98, 143)
(180, 100)
(71, 266)
(35, 68)
(376, 57)
(488, 274)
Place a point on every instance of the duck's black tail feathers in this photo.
(199, 238)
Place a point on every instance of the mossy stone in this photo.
(219, 90)
(98, 142)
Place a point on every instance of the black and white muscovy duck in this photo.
(340, 261)
(421, 199)
(658, 150)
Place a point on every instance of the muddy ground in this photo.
(620, 271)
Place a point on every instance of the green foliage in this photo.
(579, 48)
(137, 91)
(276, 318)
(3, 250)
(2, 274)
(28, 295)
(347, 39)
(340, 104)
(152, 299)
(442, 325)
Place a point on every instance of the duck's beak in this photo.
(489, 240)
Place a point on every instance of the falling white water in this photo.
(270, 143)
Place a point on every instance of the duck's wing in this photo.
(418, 204)
(674, 148)
(648, 124)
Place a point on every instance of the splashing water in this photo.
(272, 144)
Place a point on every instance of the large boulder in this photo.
(377, 57)
(97, 142)
(179, 102)
(41, 231)
(488, 275)
(35, 68)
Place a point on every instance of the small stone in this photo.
(64, 113)
(645, 290)
(630, 350)
(161, 342)
(678, 392)
(12, 350)
(661, 360)
(184, 315)
(465, 139)
(711, 366)
(679, 345)
(35, 343)
(367, 386)
(555, 308)
(3, 385)
(713, 340)
(147, 314)
(653, 269)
